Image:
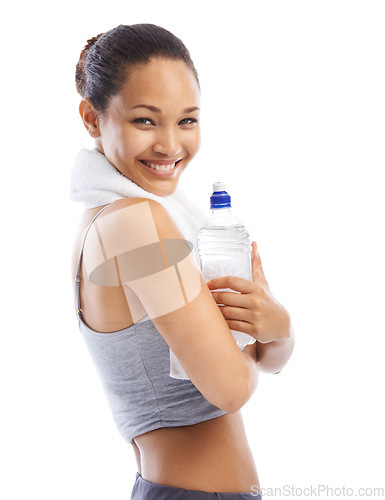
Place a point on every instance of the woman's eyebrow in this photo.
(157, 110)
(190, 110)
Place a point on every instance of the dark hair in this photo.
(106, 59)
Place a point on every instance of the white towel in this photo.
(96, 182)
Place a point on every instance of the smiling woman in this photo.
(143, 303)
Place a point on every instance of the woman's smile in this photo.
(150, 131)
(162, 168)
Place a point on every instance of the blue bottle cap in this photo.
(220, 198)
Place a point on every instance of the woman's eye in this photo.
(143, 121)
(188, 121)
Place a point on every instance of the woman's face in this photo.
(150, 130)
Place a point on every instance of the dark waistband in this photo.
(144, 489)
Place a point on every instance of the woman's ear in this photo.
(90, 117)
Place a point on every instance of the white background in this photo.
(293, 98)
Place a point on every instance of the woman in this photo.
(140, 297)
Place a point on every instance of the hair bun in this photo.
(80, 75)
(91, 42)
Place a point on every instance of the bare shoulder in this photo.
(142, 210)
(124, 203)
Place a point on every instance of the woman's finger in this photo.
(242, 326)
(234, 282)
(237, 313)
(256, 264)
(233, 299)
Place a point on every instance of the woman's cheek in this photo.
(136, 142)
(196, 142)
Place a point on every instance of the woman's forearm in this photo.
(273, 356)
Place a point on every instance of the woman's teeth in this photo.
(160, 167)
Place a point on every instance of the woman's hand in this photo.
(254, 310)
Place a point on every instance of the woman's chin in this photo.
(162, 191)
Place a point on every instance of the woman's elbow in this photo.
(246, 388)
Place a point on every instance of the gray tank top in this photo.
(134, 367)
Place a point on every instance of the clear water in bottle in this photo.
(224, 247)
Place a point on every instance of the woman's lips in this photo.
(161, 168)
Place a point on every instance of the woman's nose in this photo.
(167, 143)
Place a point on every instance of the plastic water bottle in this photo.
(224, 247)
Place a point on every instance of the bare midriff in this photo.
(213, 455)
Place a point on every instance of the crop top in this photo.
(134, 367)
